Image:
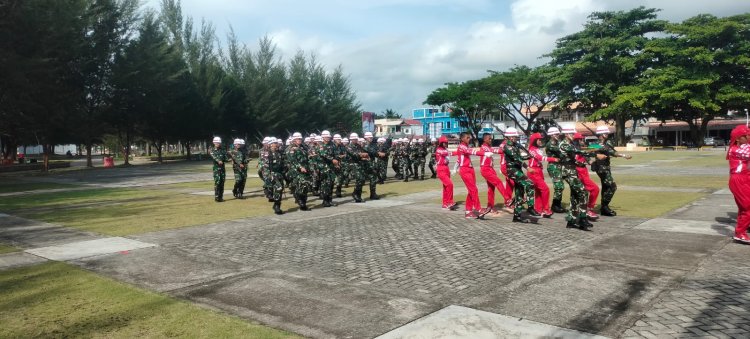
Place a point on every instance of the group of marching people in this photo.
(524, 188)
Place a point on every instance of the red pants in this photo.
(509, 184)
(493, 181)
(444, 174)
(541, 191)
(739, 184)
(470, 180)
(583, 175)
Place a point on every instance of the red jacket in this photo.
(464, 155)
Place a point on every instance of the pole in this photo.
(747, 118)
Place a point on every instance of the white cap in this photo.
(553, 131)
(296, 135)
(345, 140)
(237, 142)
(325, 134)
(271, 140)
(381, 140)
(337, 137)
(307, 139)
(318, 138)
(266, 140)
(362, 139)
(602, 130)
(354, 136)
(568, 129)
(217, 140)
(433, 139)
(511, 132)
(419, 141)
(368, 134)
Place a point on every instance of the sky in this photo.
(395, 52)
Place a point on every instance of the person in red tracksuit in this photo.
(536, 174)
(442, 159)
(466, 170)
(509, 184)
(583, 174)
(489, 174)
(739, 180)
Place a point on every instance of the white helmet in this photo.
(271, 140)
(217, 140)
(337, 137)
(325, 134)
(433, 139)
(553, 131)
(296, 135)
(354, 136)
(381, 140)
(362, 139)
(345, 140)
(237, 141)
(602, 130)
(368, 135)
(420, 140)
(511, 132)
(307, 139)
(568, 130)
(266, 140)
(318, 138)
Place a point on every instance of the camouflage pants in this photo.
(240, 177)
(327, 178)
(396, 166)
(608, 184)
(220, 175)
(275, 185)
(346, 169)
(301, 184)
(557, 183)
(405, 167)
(358, 176)
(578, 195)
(523, 190)
(419, 164)
(370, 171)
(431, 165)
(382, 169)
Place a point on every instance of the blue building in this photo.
(436, 123)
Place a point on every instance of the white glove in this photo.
(453, 172)
(488, 155)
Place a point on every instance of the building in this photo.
(436, 123)
(397, 128)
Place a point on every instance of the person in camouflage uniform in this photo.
(602, 168)
(299, 169)
(357, 158)
(406, 151)
(219, 156)
(552, 149)
(371, 167)
(263, 168)
(420, 157)
(345, 167)
(432, 149)
(315, 162)
(275, 173)
(328, 163)
(515, 160)
(339, 172)
(239, 165)
(381, 162)
(578, 195)
(395, 158)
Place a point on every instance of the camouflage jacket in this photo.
(219, 154)
(514, 156)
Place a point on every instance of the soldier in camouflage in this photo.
(219, 156)
(552, 149)
(340, 154)
(263, 168)
(576, 217)
(299, 169)
(421, 152)
(275, 173)
(395, 158)
(239, 165)
(328, 163)
(381, 162)
(602, 168)
(405, 161)
(515, 160)
(432, 149)
(371, 167)
(357, 158)
(345, 167)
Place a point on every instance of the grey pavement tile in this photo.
(18, 259)
(26, 233)
(688, 226)
(88, 248)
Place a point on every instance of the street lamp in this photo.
(747, 118)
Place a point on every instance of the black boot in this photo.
(326, 202)
(606, 211)
(338, 191)
(357, 195)
(517, 218)
(557, 206)
(572, 224)
(234, 191)
(532, 212)
(277, 207)
(218, 195)
(433, 176)
(373, 195)
(584, 224)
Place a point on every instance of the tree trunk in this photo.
(187, 148)
(694, 133)
(157, 145)
(127, 148)
(620, 130)
(45, 165)
(89, 162)
(704, 128)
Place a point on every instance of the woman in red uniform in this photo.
(739, 180)
(583, 174)
(473, 209)
(490, 175)
(536, 174)
(442, 158)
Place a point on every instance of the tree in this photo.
(593, 64)
(470, 102)
(388, 114)
(699, 71)
(521, 93)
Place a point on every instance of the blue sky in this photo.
(396, 52)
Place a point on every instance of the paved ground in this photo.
(363, 270)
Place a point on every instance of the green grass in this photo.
(9, 186)
(7, 249)
(59, 300)
(682, 158)
(667, 181)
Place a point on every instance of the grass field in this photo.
(7, 249)
(61, 301)
(9, 186)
